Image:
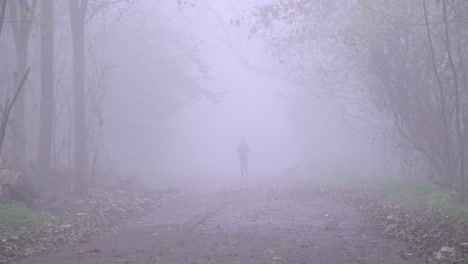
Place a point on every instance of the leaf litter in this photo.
(74, 220)
(435, 236)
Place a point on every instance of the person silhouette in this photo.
(243, 150)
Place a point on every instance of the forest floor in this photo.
(272, 225)
(25, 231)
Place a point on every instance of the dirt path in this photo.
(253, 226)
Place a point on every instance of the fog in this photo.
(172, 88)
(233, 131)
(201, 138)
(166, 131)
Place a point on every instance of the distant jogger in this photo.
(243, 157)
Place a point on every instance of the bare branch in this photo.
(8, 107)
(439, 82)
(101, 6)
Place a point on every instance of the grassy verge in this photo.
(16, 213)
(411, 194)
(16, 219)
(24, 232)
(431, 222)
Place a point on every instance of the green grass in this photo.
(404, 193)
(16, 219)
(15, 213)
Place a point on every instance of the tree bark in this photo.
(21, 26)
(77, 20)
(47, 94)
(7, 110)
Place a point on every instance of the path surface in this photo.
(249, 226)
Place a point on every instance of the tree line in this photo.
(406, 59)
(58, 59)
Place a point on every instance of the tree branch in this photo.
(439, 82)
(101, 6)
(8, 107)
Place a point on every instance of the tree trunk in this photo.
(7, 110)
(2, 14)
(21, 25)
(77, 19)
(47, 94)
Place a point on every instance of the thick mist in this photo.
(233, 131)
(188, 84)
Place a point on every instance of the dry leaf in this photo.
(447, 249)
(89, 251)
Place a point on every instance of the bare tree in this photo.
(79, 19)
(47, 103)
(412, 60)
(7, 109)
(78, 10)
(21, 12)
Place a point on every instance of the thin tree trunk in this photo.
(47, 104)
(7, 110)
(2, 15)
(21, 25)
(77, 19)
(442, 97)
(458, 114)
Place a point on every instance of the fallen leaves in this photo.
(447, 249)
(463, 247)
(433, 235)
(84, 239)
(73, 220)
